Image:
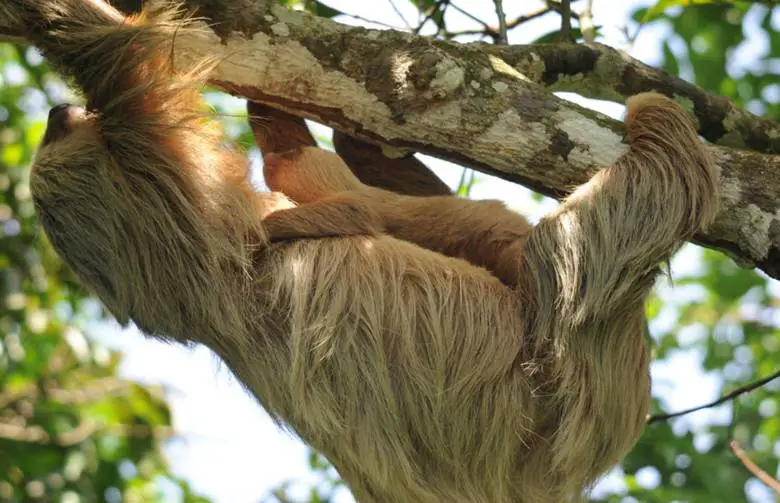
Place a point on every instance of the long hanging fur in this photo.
(423, 377)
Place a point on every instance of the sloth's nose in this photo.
(67, 113)
(62, 120)
(57, 109)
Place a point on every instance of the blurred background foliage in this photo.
(72, 430)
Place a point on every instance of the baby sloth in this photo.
(422, 376)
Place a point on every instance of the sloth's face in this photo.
(70, 167)
(71, 141)
(72, 182)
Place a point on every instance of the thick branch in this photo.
(602, 72)
(465, 103)
(594, 71)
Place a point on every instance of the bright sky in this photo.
(231, 451)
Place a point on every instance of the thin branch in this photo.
(400, 14)
(587, 27)
(440, 5)
(557, 6)
(469, 15)
(494, 33)
(502, 28)
(527, 17)
(487, 32)
(566, 21)
(725, 398)
(367, 20)
(753, 468)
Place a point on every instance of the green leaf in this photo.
(670, 60)
(323, 10)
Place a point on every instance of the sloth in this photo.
(435, 349)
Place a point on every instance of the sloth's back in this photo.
(395, 362)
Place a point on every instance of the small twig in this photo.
(527, 17)
(400, 14)
(587, 27)
(753, 468)
(487, 32)
(566, 20)
(557, 7)
(502, 29)
(469, 15)
(439, 5)
(367, 20)
(493, 32)
(725, 398)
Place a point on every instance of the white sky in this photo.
(231, 451)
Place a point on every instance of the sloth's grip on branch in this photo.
(276, 131)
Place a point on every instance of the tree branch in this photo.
(495, 32)
(502, 27)
(467, 104)
(481, 105)
(566, 35)
(753, 468)
(725, 398)
(439, 7)
(602, 72)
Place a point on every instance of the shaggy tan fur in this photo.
(422, 377)
(485, 233)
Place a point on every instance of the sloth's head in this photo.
(72, 184)
(141, 210)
